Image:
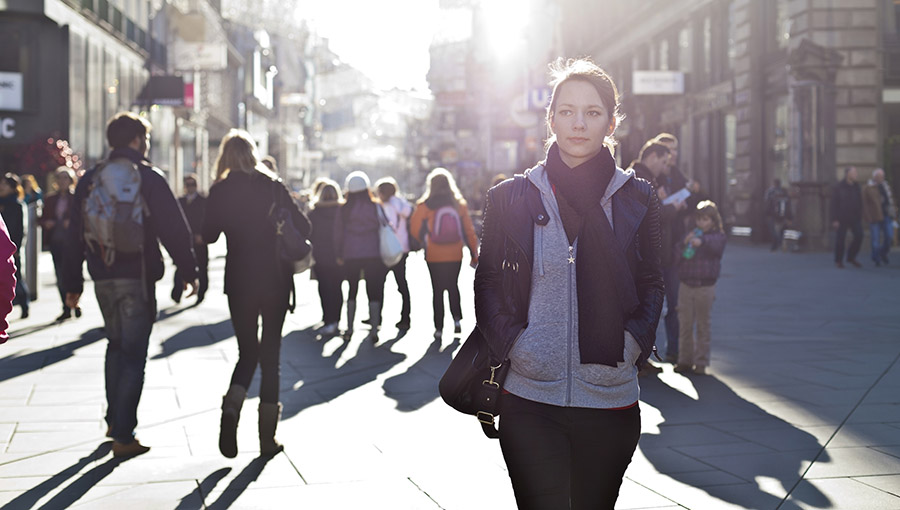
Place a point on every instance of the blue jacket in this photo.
(165, 223)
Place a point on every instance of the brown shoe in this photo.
(132, 449)
(683, 369)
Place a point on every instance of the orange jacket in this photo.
(423, 215)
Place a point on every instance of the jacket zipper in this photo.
(569, 340)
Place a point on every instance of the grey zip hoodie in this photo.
(545, 364)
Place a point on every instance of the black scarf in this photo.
(601, 314)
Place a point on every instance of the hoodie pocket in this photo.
(540, 353)
(622, 373)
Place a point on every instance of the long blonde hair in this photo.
(238, 153)
(441, 183)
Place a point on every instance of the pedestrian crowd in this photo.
(578, 259)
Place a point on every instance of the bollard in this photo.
(32, 249)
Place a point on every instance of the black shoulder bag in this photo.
(471, 384)
(291, 247)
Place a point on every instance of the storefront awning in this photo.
(162, 90)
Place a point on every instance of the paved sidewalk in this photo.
(802, 409)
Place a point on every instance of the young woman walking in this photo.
(441, 222)
(568, 292)
(255, 283)
(356, 245)
(329, 274)
(397, 210)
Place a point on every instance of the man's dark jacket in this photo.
(164, 223)
(846, 203)
(503, 276)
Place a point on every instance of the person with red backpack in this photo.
(442, 224)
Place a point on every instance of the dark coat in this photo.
(704, 267)
(672, 220)
(195, 212)
(503, 276)
(48, 212)
(323, 217)
(239, 206)
(165, 223)
(13, 211)
(356, 230)
(846, 203)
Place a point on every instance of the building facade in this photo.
(791, 89)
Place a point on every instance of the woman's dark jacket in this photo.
(503, 278)
(13, 211)
(323, 217)
(239, 206)
(48, 212)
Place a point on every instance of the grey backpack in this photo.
(114, 210)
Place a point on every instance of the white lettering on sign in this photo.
(7, 128)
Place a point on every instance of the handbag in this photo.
(388, 244)
(472, 385)
(292, 249)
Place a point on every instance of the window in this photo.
(779, 24)
(685, 60)
(664, 55)
(731, 40)
(891, 21)
(707, 46)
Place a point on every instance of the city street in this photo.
(801, 410)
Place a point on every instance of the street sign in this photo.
(11, 91)
(657, 83)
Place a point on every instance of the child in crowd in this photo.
(701, 259)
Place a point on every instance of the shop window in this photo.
(685, 50)
(777, 134)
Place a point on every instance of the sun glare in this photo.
(504, 23)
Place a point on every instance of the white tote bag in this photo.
(389, 245)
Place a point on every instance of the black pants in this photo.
(855, 229)
(330, 296)
(374, 271)
(201, 251)
(444, 277)
(566, 457)
(252, 350)
(58, 253)
(22, 295)
(399, 271)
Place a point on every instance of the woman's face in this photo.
(580, 122)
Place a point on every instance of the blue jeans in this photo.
(670, 277)
(128, 316)
(882, 236)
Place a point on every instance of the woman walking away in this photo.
(55, 220)
(356, 244)
(442, 223)
(328, 273)
(256, 282)
(701, 259)
(568, 293)
(397, 210)
(13, 210)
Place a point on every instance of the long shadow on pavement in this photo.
(196, 336)
(418, 386)
(206, 486)
(13, 366)
(322, 379)
(722, 431)
(240, 483)
(30, 498)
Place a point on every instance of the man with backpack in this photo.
(778, 211)
(122, 209)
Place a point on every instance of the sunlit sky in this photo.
(387, 40)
